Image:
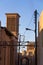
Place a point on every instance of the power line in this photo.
(30, 20)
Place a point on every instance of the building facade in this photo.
(31, 49)
(9, 39)
(40, 41)
(29, 53)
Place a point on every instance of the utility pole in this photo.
(35, 14)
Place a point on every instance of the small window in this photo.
(30, 53)
(0, 50)
(0, 58)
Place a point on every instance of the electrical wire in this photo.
(30, 20)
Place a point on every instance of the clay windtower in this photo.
(13, 23)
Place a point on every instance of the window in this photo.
(24, 61)
(0, 58)
(30, 53)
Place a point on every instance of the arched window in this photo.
(24, 61)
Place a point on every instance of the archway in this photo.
(24, 61)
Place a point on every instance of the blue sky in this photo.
(25, 8)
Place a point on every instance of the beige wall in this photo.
(31, 48)
(40, 41)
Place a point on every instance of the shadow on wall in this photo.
(41, 37)
(39, 47)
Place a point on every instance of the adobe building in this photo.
(9, 38)
(31, 52)
(31, 48)
(40, 41)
